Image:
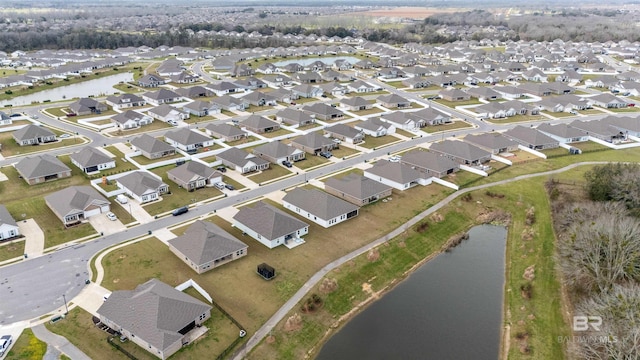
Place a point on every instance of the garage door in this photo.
(91, 212)
(91, 169)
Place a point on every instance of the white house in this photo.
(396, 175)
(270, 226)
(8, 226)
(318, 206)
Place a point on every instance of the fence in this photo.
(119, 348)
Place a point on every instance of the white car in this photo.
(111, 216)
(122, 199)
(64, 136)
(220, 185)
(5, 342)
(394, 158)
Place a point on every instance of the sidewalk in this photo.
(58, 342)
(34, 243)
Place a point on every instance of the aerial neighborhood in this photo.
(220, 160)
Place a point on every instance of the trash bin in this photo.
(149, 232)
(26, 256)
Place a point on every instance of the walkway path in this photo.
(34, 243)
(302, 292)
(59, 342)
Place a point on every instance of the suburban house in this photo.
(124, 101)
(602, 130)
(357, 189)
(294, 117)
(307, 91)
(230, 103)
(428, 163)
(495, 143)
(131, 119)
(201, 108)
(284, 95)
(166, 113)
(194, 175)
(454, 95)
(461, 152)
(194, 92)
(313, 143)
(5, 119)
(242, 161)
(345, 133)
(403, 120)
(152, 148)
(563, 133)
(205, 246)
(150, 80)
(355, 103)
(393, 101)
(324, 209)
(396, 175)
(258, 98)
(8, 226)
(87, 106)
(41, 168)
(163, 327)
(33, 135)
(270, 226)
(188, 140)
(429, 116)
(277, 152)
(323, 111)
(224, 88)
(609, 101)
(259, 124)
(531, 138)
(225, 132)
(484, 93)
(142, 186)
(360, 86)
(90, 160)
(375, 127)
(162, 96)
(74, 204)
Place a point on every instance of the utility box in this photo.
(266, 271)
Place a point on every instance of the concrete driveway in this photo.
(34, 243)
(91, 298)
(102, 224)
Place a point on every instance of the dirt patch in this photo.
(402, 244)
(373, 255)
(437, 217)
(403, 12)
(496, 216)
(529, 273)
(328, 285)
(270, 339)
(115, 281)
(527, 234)
(293, 323)
(366, 287)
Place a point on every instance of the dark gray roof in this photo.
(274, 149)
(428, 160)
(561, 130)
(372, 124)
(154, 312)
(185, 136)
(357, 186)
(74, 199)
(493, 141)
(125, 116)
(530, 136)
(293, 114)
(149, 144)
(322, 109)
(164, 110)
(355, 101)
(198, 105)
(394, 171)
(460, 149)
(343, 130)
(191, 171)
(140, 182)
(392, 98)
(32, 131)
(162, 94)
(239, 157)
(90, 156)
(258, 122)
(204, 242)
(312, 140)
(40, 165)
(225, 130)
(5, 217)
(319, 203)
(268, 221)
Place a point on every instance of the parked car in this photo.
(222, 168)
(5, 342)
(64, 136)
(326, 154)
(337, 141)
(219, 185)
(122, 199)
(15, 115)
(287, 163)
(111, 216)
(180, 211)
(394, 158)
(229, 187)
(172, 122)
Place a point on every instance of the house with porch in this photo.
(375, 127)
(91, 160)
(294, 117)
(314, 143)
(33, 134)
(345, 133)
(270, 226)
(41, 168)
(357, 189)
(124, 101)
(142, 186)
(531, 138)
(324, 209)
(242, 161)
(188, 140)
(194, 175)
(201, 108)
(355, 103)
(87, 106)
(152, 148)
(392, 101)
(396, 175)
(205, 246)
(323, 111)
(162, 96)
(428, 163)
(276, 152)
(9, 229)
(131, 119)
(75, 204)
(563, 133)
(259, 124)
(225, 132)
(461, 152)
(494, 142)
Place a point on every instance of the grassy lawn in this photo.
(273, 172)
(446, 127)
(625, 110)
(276, 133)
(57, 111)
(308, 126)
(371, 142)
(121, 211)
(344, 151)
(311, 161)
(588, 146)
(11, 148)
(373, 110)
(560, 114)
(127, 88)
(11, 249)
(245, 140)
(121, 165)
(514, 119)
(155, 125)
(27, 347)
(28, 200)
(555, 152)
(405, 133)
(453, 104)
(199, 119)
(179, 196)
(462, 177)
(143, 160)
(396, 84)
(228, 180)
(415, 105)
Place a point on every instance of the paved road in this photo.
(59, 343)
(313, 281)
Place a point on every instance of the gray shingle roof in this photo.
(185, 136)
(428, 160)
(274, 149)
(149, 144)
(5, 217)
(225, 130)
(31, 131)
(530, 136)
(313, 140)
(139, 182)
(258, 122)
(396, 172)
(240, 157)
(268, 221)
(319, 203)
(357, 186)
(74, 199)
(561, 130)
(460, 149)
(493, 141)
(204, 242)
(154, 312)
(192, 170)
(90, 156)
(40, 165)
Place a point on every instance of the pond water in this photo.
(450, 308)
(329, 60)
(96, 87)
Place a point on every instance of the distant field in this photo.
(405, 12)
